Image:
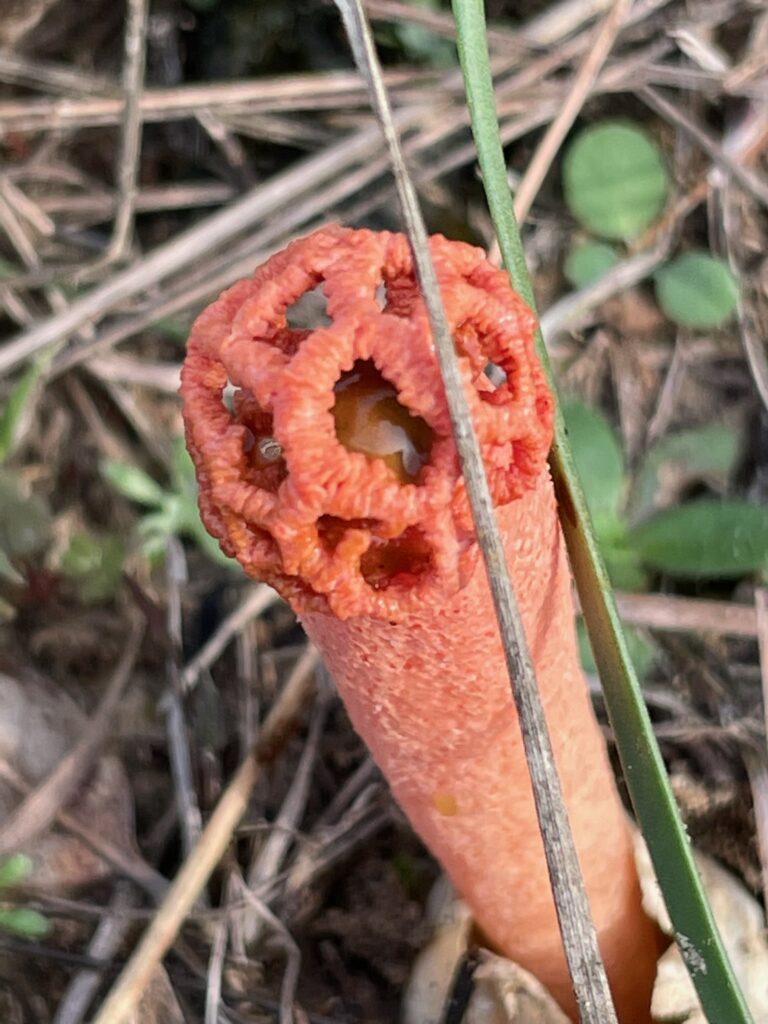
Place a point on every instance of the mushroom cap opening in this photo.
(346, 422)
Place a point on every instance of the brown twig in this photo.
(104, 945)
(752, 335)
(684, 614)
(215, 972)
(129, 150)
(272, 852)
(188, 246)
(188, 808)
(39, 809)
(579, 90)
(40, 74)
(98, 206)
(256, 601)
(286, 940)
(757, 762)
(747, 178)
(322, 90)
(126, 862)
(571, 310)
(761, 606)
(197, 869)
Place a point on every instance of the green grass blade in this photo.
(16, 407)
(644, 770)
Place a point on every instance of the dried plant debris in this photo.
(741, 921)
(39, 724)
(504, 993)
(497, 991)
(720, 820)
(653, 283)
(452, 980)
(19, 17)
(159, 1004)
(434, 970)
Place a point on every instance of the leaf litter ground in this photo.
(227, 107)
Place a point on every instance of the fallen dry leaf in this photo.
(502, 992)
(742, 926)
(433, 971)
(39, 723)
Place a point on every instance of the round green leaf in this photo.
(600, 463)
(14, 869)
(614, 179)
(705, 539)
(25, 519)
(697, 290)
(29, 923)
(421, 43)
(17, 407)
(588, 261)
(623, 564)
(707, 453)
(95, 562)
(133, 483)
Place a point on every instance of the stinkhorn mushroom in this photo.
(327, 467)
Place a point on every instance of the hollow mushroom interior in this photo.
(370, 418)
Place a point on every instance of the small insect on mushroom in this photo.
(361, 520)
(269, 449)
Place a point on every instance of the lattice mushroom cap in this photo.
(332, 528)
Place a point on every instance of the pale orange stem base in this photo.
(431, 698)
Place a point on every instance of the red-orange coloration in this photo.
(382, 566)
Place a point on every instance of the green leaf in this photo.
(16, 405)
(600, 463)
(614, 179)
(167, 521)
(25, 520)
(132, 482)
(410, 871)
(588, 261)
(705, 539)
(25, 922)
(14, 869)
(697, 290)
(95, 562)
(677, 460)
(642, 650)
(153, 547)
(175, 328)
(644, 772)
(623, 565)
(419, 43)
(182, 468)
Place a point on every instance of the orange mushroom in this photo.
(334, 477)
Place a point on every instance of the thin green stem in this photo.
(644, 770)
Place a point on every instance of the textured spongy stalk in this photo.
(430, 696)
(382, 567)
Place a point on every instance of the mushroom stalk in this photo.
(360, 518)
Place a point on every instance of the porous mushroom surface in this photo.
(327, 466)
(306, 520)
